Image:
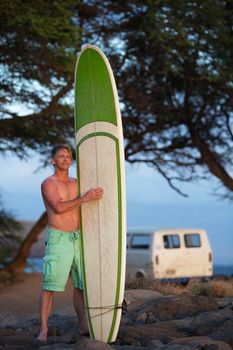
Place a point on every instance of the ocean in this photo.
(36, 265)
(225, 270)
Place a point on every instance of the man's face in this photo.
(62, 159)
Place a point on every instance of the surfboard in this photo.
(100, 162)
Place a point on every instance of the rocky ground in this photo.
(153, 322)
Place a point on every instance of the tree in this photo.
(19, 262)
(173, 64)
(175, 76)
(39, 43)
(9, 233)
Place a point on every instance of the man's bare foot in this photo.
(84, 332)
(42, 336)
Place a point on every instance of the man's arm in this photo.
(51, 197)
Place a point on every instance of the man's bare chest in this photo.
(67, 191)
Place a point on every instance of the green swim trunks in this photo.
(62, 257)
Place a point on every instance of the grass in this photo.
(222, 288)
(165, 288)
(217, 287)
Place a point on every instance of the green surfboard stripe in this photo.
(82, 250)
(119, 265)
(119, 242)
(94, 94)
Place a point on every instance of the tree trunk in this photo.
(210, 159)
(19, 262)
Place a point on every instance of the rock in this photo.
(204, 343)
(34, 330)
(135, 295)
(224, 302)
(155, 308)
(53, 331)
(131, 340)
(128, 347)
(66, 338)
(56, 346)
(69, 322)
(19, 329)
(217, 325)
(145, 317)
(145, 334)
(175, 347)
(153, 322)
(199, 323)
(141, 317)
(7, 320)
(151, 318)
(137, 300)
(176, 307)
(222, 332)
(63, 324)
(12, 339)
(35, 322)
(126, 321)
(88, 344)
(156, 343)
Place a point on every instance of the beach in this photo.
(171, 318)
(20, 300)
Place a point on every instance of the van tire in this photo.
(140, 276)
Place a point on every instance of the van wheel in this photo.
(140, 277)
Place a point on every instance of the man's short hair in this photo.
(58, 147)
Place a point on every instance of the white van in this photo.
(168, 254)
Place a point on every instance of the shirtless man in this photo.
(63, 248)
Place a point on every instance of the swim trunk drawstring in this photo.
(73, 236)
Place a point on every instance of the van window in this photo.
(192, 240)
(171, 241)
(140, 242)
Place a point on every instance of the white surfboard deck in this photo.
(100, 162)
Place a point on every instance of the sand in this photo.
(21, 299)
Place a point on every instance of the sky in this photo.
(150, 202)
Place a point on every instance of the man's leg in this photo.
(78, 301)
(46, 302)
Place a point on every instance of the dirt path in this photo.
(20, 299)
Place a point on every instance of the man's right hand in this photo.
(94, 193)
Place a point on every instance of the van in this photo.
(168, 254)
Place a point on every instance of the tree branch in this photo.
(42, 114)
(210, 158)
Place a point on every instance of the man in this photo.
(63, 249)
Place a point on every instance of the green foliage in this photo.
(39, 44)
(10, 230)
(175, 76)
(173, 62)
(8, 225)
